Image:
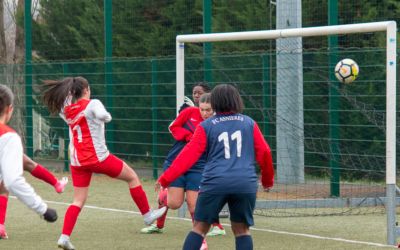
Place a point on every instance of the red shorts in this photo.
(81, 175)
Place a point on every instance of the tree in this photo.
(3, 46)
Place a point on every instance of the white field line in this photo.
(225, 224)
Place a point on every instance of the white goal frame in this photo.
(389, 26)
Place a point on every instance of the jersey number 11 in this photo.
(237, 135)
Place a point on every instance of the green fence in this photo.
(126, 49)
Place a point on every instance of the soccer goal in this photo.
(334, 144)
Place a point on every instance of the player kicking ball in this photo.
(86, 118)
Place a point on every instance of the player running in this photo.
(86, 117)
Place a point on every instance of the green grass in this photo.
(102, 229)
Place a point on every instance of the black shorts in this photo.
(241, 207)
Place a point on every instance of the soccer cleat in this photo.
(60, 185)
(3, 233)
(65, 243)
(204, 245)
(216, 231)
(153, 215)
(152, 229)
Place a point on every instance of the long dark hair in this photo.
(55, 92)
(6, 98)
(226, 98)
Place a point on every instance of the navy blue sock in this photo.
(193, 241)
(244, 242)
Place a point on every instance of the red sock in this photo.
(139, 197)
(218, 225)
(161, 220)
(70, 219)
(3, 208)
(42, 173)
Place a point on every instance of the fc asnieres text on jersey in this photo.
(85, 119)
(182, 129)
(233, 143)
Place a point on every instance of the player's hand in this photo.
(267, 189)
(157, 187)
(50, 215)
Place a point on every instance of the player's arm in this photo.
(99, 111)
(11, 170)
(176, 127)
(186, 158)
(263, 158)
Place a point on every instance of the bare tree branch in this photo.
(3, 46)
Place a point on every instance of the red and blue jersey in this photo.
(232, 143)
(182, 129)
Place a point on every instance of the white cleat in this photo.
(153, 215)
(65, 243)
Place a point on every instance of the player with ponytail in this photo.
(86, 118)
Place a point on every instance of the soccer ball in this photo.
(346, 71)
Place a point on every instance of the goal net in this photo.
(334, 144)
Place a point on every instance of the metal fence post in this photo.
(28, 77)
(108, 46)
(207, 49)
(154, 116)
(334, 102)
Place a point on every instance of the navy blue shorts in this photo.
(241, 207)
(188, 181)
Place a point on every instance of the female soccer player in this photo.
(11, 160)
(182, 129)
(197, 91)
(88, 151)
(37, 171)
(233, 142)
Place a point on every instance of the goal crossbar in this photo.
(389, 26)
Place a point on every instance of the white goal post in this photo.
(389, 26)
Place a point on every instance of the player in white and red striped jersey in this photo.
(11, 179)
(38, 171)
(88, 151)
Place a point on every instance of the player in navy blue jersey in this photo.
(233, 143)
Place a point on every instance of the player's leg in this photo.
(43, 174)
(193, 180)
(176, 196)
(191, 198)
(195, 239)
(206, 212)
(243, 239)
(3, 210)
(116, 168)
(173, 198)
(241, 207)
(81, 180)
(159, 226)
